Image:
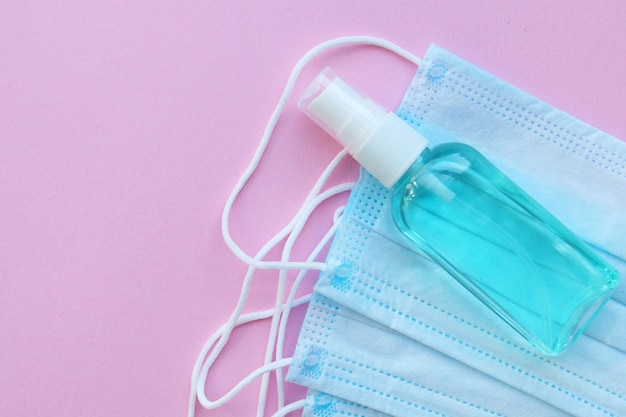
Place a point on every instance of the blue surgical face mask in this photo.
(395, 333)
(388, 332)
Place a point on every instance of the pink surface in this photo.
(123, 127)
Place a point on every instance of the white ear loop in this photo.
(292, 230)
(268, 366)
(267, 134)
(200, 371)
(282, 281)
(230, 325)
(285, 317)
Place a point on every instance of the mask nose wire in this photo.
(267, 134)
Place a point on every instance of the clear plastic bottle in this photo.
(464, 213)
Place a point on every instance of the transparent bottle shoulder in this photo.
(438, 168)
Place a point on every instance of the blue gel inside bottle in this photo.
(505, 248)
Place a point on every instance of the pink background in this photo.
(123, 127)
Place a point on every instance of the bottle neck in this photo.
(411, 171)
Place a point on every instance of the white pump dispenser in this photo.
(385, 145)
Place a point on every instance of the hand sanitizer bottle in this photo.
(459, 209)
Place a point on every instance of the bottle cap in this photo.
(379, 140)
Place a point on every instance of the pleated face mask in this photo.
(390, 332)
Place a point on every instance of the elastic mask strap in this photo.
(280, 312)
(223, 334)
(269, 130)
(282, 282)
(285, 317)
(202, 368)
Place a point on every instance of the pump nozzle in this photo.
(379, 140)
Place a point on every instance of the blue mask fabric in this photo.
(388, 332)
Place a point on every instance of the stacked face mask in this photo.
(388, 332)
